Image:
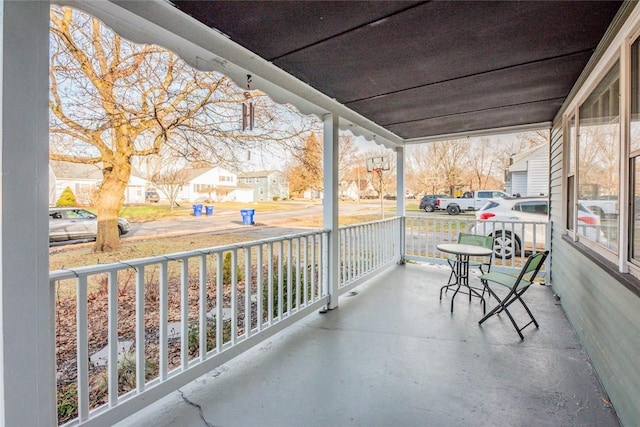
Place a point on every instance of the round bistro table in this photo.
(461, 270)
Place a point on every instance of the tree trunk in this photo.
(109, 202)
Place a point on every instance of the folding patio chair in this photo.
(470, 239)
(517, 285)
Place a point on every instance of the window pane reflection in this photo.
(598, 163)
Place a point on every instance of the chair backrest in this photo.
(530, 269)
(476, 239)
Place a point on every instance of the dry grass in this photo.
(78, 255)
(81, 255)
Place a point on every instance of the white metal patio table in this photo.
(461, 270)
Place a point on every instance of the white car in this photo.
(520, 223)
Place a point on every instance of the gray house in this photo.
(266, 184)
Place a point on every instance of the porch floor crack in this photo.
(195, 405)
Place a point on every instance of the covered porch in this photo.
(393, 354)
(392, 350)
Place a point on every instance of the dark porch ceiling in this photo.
(422, 69)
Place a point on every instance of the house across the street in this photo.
(528, 175)
(266, 184)
(83, 179)
(214, 185)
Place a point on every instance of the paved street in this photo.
(226, 220)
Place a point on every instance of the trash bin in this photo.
(247, 216)
(197, 210)
(209, 210)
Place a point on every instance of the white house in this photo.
(354, 189)
(214, 185)
(84, 179)
(529, 173)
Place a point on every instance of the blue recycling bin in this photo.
(209, 210)
(247, 216)
(197, 210)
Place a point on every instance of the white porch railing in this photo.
(161, 322)
(424, 232)
(128, 333)
(367, 247)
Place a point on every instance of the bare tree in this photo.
(451, 158)
(481, 163)
(505, 151)
(598, 163)
(170, 181)
(305, 171)
(347, 155)
(112, 100)
(423, 171)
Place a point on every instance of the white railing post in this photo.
(330, 204)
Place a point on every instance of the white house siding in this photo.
(519, 183)
(223, 186)
(135, 191)
(530, 173)
(604, 313)
(242, 195)
(538, 174)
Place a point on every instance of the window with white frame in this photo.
(634, 157)
(570, 149)
(598, 163)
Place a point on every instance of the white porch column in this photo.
(400, 181)
(400, 199)
(27, 347)
(330, 202)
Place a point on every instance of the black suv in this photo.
(428, 201)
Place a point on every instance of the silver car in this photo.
(77, 224)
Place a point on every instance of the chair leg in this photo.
(449, 282)
(484, 284)
(526, 307)
(494, 310)
(503, 306)
(517, 297)
(513, 322)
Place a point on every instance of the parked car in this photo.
(520, 223)
(470, 201)
(604, 206)
(152, 196)
(77, 224)
(428, 201)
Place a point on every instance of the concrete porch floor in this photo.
(394, 355)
